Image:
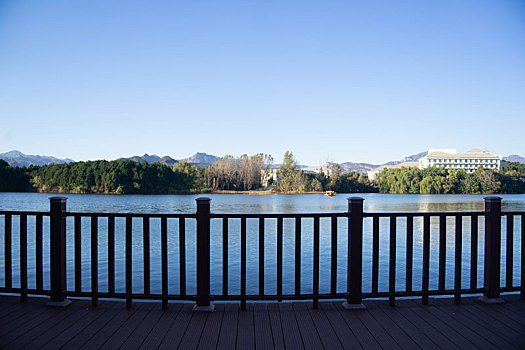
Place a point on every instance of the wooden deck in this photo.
(408, 325)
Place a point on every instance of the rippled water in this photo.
(238, 203)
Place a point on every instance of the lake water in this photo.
(238, 203)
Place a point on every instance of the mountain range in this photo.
(202, 160)
(19, 159)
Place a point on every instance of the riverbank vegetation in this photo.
(434, 180)
(249, 174)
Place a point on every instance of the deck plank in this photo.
(275, 324)
(442, 324)
(425, 326)
(193, 333)
(99, 338)
(126, 330)
(212, 329)
(415, 334)
(228, 334)
(446, 325)
(24, 324)
(20, 310)
(394, 331)
(476, 323)
(246, 328)
(291, 333)
(157, 334)
(90, 318)
(51, 325)
(324, 329)
(178, 328)
(309, 334)
(343, 332)
(136, 338)
(262, 327)
(363, 335)
(376, 329)
(110, 311)
(478, 338)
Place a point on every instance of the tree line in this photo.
(437, 180)
(249, 173)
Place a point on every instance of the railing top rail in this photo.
(18, 212)
(276, 215)
(135, 215)
(422, 213)
(344, 214)
(265, 215)
(513, 213)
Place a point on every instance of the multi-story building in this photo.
(470, 161)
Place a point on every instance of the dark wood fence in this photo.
(353, 294)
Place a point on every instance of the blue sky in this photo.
(339, 81)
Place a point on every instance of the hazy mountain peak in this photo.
(19, 159)
(514, 158)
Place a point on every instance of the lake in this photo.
(239, 203)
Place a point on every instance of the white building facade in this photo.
(470, 161)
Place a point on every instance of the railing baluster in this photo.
(78, 253)
(38, 253)
(316, 263)
(23, 258)
(146, 249)
(111, 254)
(473, 252)
(297, 256)
(392, 262)
(243, 263)
(375, 254)
(510, 250)
(426, 257)
(129, 260)
(94, 260)
(225, 256)
(261, 256)
(458, 256)
(182, 255)
(8, 225)
(409, 253)
(279, 258)
(164, 258)
(333, 258)
(442, 251)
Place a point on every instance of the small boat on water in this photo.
(329, 193)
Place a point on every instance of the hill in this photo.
(515, 158)
(19, 159)
(166, 160)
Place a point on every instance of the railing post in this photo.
(58, 251)
(355, 254)
(203, 256)
(491, 294)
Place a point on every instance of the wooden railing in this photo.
(354, 220)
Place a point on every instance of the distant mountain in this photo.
(19, 159)
(146, 157)
(166, 160)
(361, 168)
(515, 158)
(201, 160)
(414, 158)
